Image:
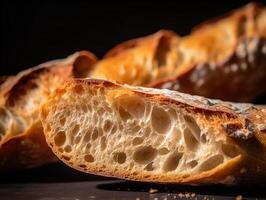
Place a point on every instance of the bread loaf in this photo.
(224, 58)
(162, 136)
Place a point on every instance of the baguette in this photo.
(154, 135)
(22, 143)
(224, 58)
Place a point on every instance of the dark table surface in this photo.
(57, 181)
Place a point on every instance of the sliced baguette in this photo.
(22, 143)
(223, 58)
(163, 136)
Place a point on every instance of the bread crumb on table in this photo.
(153, 190)
(239, 197)
(187, 195)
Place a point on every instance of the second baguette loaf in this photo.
(224, 58)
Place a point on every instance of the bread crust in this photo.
(22, 143)
(137, 61)
(224, 58)
(244, 125)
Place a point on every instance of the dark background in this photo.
(33, 32)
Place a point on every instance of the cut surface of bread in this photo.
(155, 135)
(223, 58)
(22, 143)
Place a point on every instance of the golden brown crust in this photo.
(22, 143)
(137, 61)
(152, 41)
(242, 123)
(233, 60)
(224, 58)
(73, 64)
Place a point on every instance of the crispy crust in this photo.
(152, 41)
(246, 129)
(137, 61)
(231, 49)
(22, 143)
(237, 57)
